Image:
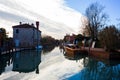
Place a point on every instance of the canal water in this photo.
(54, 64)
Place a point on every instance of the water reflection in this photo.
(61, 66)
(5, 60)
(76, 56)
(27, 61)
(48, 49)
(61, 48)
(98, 70)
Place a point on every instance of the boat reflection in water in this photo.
(98, 70)
(74, 56)
(94, 68)
(27, 61)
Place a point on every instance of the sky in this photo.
(57, 17)
(111, 8)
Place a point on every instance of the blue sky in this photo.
(57, 17)
(112, 7)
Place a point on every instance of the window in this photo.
(17, 30)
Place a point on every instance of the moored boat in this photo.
(72, 49)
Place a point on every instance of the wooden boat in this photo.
(72, 49)
(94, 52)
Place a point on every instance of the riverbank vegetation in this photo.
(107, 37)
(6, 43)
(49, 41)
(110, 38)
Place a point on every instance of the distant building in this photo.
(69, 39)
(25, 35)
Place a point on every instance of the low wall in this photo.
(101, 53)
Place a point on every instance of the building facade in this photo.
(0, 37)
(25, 35)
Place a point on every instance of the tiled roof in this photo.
(24, 26)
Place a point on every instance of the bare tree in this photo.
(96, 19)
(85, 29)
(118, 24)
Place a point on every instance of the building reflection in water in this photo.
(5, 60)
(27, 61)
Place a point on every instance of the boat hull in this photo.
(75, 50)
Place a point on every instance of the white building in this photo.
(25, 35)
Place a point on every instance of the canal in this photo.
(54, 64)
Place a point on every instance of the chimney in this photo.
(32, 24)
(37, 24)
(20, 23)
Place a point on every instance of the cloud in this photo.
(55, 17)
(13, 17)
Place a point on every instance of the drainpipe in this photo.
(37, 24)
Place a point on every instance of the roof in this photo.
(25, 26)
